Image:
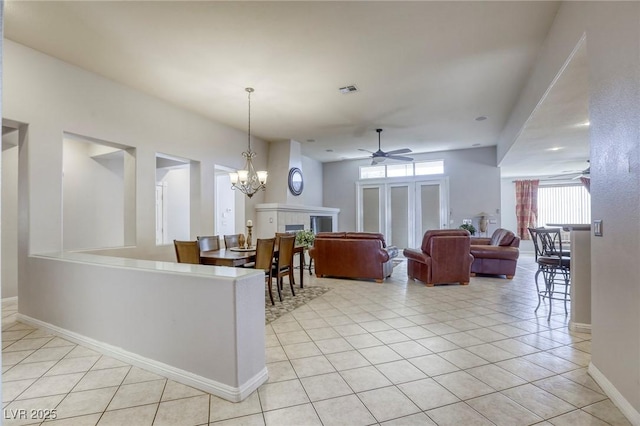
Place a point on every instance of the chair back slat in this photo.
(231, 241)
(286, 243)
(209, 243)
(548, 246)
(264, 253)
(187, 251)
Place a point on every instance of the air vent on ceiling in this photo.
(348, 89)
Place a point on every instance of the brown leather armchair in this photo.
(497, 255)
(352, 255)
(444, 257)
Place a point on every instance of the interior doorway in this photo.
(9, 231)
(229, 204)
(173, 199)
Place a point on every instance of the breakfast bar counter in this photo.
(580, 275)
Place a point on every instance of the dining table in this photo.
(237, 257)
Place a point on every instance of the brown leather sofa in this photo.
(352, 255)
(497, 255)
(444, 257)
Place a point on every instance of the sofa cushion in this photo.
(495, 252)
(502, 237)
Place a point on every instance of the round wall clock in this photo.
(296, 183)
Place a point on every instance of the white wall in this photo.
(199, 325)
(613, 46)
(312, 173)
(474, 185)
(614, 106)
(284, 155)
(93, 197)
(53, 97)
(9, 215)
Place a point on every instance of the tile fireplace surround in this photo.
(273, 217)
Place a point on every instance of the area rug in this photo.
(289, 303)
(396, 262)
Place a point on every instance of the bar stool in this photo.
(555, 266)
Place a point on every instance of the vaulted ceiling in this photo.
(424, 70)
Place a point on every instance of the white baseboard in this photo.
(616, 397)
(579, 327)
(10, 299)
(230, 393)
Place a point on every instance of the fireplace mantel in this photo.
(272, 217)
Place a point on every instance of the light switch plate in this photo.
(597, 227)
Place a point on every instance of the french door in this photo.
(403, 211)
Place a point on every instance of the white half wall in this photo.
(199, 325)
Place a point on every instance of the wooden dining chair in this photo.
(284, 265)
(209, 243)
(231, 241)
(264, 258)
(187, 251)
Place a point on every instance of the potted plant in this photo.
(469, 227)
(305, 238)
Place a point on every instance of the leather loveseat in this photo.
(352, 255)
(444, 257)
(497, 255)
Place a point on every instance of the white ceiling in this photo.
(425, 70)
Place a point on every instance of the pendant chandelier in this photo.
(248, 180)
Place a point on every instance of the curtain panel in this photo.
(526, 206)
(586, 182)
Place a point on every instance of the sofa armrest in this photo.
(480, 241)
(417, 255)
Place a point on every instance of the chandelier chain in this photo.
(249, 90)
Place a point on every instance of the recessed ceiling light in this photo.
(329, 150)
(481, 118)
(555, 148)
(476, 144)
(311, 140)
(348, 89)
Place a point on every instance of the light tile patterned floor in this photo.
(396, 353)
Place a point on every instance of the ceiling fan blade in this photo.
(400, 157)
(399, 151)
(365, 150)
(567, 175)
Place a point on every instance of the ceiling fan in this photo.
(573, 174)
(379, 156)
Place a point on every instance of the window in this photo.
(422, 168)
(372, 172)
(563, 204)
(430, 168)
(399, 170)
